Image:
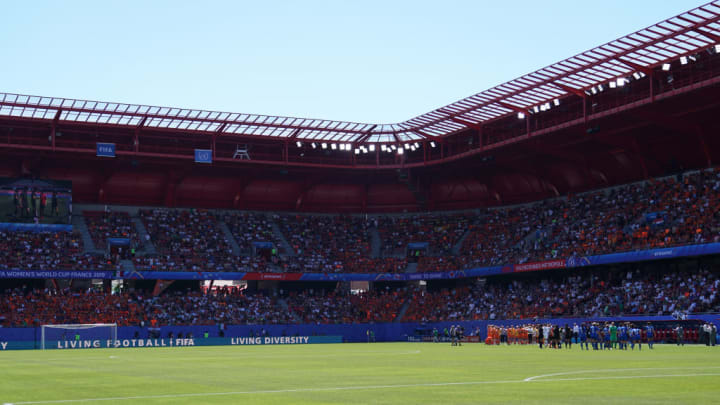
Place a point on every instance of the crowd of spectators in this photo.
(249, 227)
(595, 294)
(589, 295)
(678, 210)
(48, 251)
(186, 240)
(440, 231)
(325, 243)
(109, 224)
(333, 307)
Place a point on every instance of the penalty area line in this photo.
(361, 387)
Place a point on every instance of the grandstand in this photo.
(587, 190)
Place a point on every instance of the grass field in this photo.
(382, 373)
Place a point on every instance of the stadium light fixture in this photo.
(637, 75)
(323, 145)
(692, 58)
(333, 146)
(417, 145)
(298, 144)
(406, 146)
(432, 143)
(383, 147)
(620, 82)
(313, 145)
(520, 116)
(666, 66)
(683, 60)
(556, 102)
(717, 48)
(393, 147)
(400, 151)
(372, 148)
(536, 109)
(612, 84)
(348, 147)
(357, 151)
(600, 87)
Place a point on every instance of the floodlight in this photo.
(407, 146)
(666, 66)
(536, 109)
(717, 48)
(556, 102)
(323, 145)
(620, 82)
(613, 85)
(417, 145)
(333, 146)
(400, 151)
(383, 147)
(393, 147)
(299, 144)
(432, 143)
(372, 148)
(636, 75)
(357, 151)
(600, 87)
(347, 147)
(683, 60)
(313, 145)
(521, 115)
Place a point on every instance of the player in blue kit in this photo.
(594, 336)
(635, 338)
(650, 333)
(623, 337)
(582, 337)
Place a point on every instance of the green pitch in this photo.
(390, 373)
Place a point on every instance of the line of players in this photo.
(599, 336)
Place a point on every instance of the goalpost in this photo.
(71, 332)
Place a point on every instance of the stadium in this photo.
(553, 239)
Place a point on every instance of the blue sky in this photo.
(368, 61)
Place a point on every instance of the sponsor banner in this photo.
(273, 276)
(645, 255)
(536, 266)
(168, 342)
(105, 149)
(203, 156)
(56, 274)
(19, 227)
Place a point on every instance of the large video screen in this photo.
(35, 201)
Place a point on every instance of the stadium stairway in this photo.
(411, 268)
(456, 248)
(286, 248)
(230, 238)
(142, 232)
(403, 309)
(127, 266)
(375, 243)
(79, 225)
(283, 304)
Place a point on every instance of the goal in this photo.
(51, 334)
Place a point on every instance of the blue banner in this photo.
(105, 149)
(118, 241)
(62, 274)
(203, 156)
(645, 255)
(18, 227)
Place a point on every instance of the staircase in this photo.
(375, 243)
(127, 265)
(283, 304)
(411, 268)
(403, 309)
(287, 249)
(456, 248)
(142, 233)
(79, 225)
(230, 238)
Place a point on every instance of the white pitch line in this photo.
(365, 387)
(613, 370)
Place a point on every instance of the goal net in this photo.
(77, 335)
